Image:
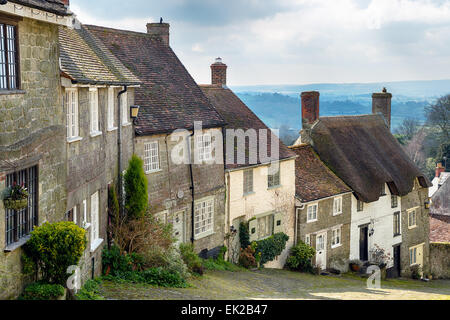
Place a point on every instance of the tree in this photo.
(136, 197)
(438, 114)
(408, 128)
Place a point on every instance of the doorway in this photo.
(321, 250)
(396, 270)
(364, 243)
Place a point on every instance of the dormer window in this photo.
(383, 190)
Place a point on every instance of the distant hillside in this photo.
(279, 105)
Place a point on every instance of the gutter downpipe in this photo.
(192, 187)
(119, 145)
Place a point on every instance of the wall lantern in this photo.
(134, 111)
(427, 204)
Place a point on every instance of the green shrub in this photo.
(55, 247)
(300, 257)
(271, 247)
(244, 235)
(136, 197)
(116, 264)
(219, 265)
(43, 291)
(163, 278)
(191, 259)
(113, 204)
(90, 291)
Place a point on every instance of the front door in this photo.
(364, 243)
(396, 268)
(177, 221)
(321, 250)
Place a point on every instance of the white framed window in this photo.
(125, 108)
(265, 226)
(336, 237)
(312, 212)
(397, 223)
(248, 181)
(359, 205)
(203, 218)
(111, 103)
(85, 220)
(71, 101)
(151, 156)
(95, 223)
(308, 239)
(412, 218)
(204, 147)
(337, 206)
(74, 211)
(273, 176)
(413, 256)
(93, 106)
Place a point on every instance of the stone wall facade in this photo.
(170, 194)
(337, 257)
(32, 132)
(92, 165)
(440, 260)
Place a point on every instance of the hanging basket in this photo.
(15, 204)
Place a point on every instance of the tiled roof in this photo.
(169, 97)
(313, 180)
(439, 228)
(364, 154)
(238, 116)
(53, 6)
(85, 60)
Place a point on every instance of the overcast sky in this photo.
(294, 41)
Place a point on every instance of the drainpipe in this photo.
(192, 188)
(119, 145)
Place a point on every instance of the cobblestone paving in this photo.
(281, 284)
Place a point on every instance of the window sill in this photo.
(126, 124)
(203, 235)
(153, 171)
(112, 129)
(86, 225)
(75, 139)
(16, 245)
(412, 227)
(311, 221)
(274, 187)
(97, 243)
(336, 246)
(248, 194)
(11, 92)
(397, 235)
(96, 134)
(337, 214)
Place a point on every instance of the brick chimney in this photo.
(381, 103)
(439, 169)
(65, 2)
(310, 113)
(219, 73)
(160, 30)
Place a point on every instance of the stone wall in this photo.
(440, 260)
(169, 189)
(417, 235)
(32, 132)
(338, 257)
(92, 166)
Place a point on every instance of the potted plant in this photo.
(355, 265)
(16, 197)
(380, 258)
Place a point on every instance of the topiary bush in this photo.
(271, 247)
(43, 291)
(247, 257)
(300, 257)
(136, 197)
(54, 247)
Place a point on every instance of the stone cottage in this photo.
(32, 144)
(187, 192)
(323, 210)
(389, 210)
(97, 94)
(255, 192)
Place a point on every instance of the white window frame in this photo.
(204, 147)
(336, 234)
(412, 256)
(337, 206)
(308, 239)
(74, 213)
(269, 223)
(399, 214)
(203, 220)
(247, 181)
(125, 109)
(94, 113)
(71, 104)
(151, 157)
(272, 173)
(409, 212)
(95, 221)
(313, 218)
(111, 113)
(85, 222)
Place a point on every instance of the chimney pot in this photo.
(310, 108)
(381, 103)
(439, 169)
(219, 72)
(160, 30)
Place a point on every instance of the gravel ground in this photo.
(280, 284)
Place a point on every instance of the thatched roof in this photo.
(364, 154)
